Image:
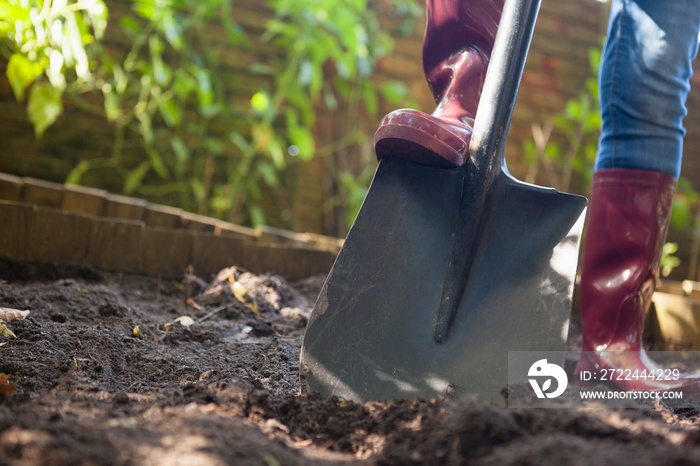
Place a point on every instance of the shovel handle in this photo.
(501, 85)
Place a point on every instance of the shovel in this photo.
(447, 270)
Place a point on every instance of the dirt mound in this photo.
(121, 370)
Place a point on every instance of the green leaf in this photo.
(55, 70)
(180, 149)
(184, 84)
(145, 8)
(257, 216)
(135, 177)
(21, 72)
(72, 46)
(130, 26)
(214, 146)
(329, 99)
(274, 149)
(269, 174)
(205, 91)
(260, 103)
(668, 260)
(172, 31)
(394, 92)
(242, 143)
(306, 73)
(370, 98)
(182, 155)
(262, 68)
(157, 162)
(12, 13)
(170, 111)
(44, 106)
(304, 140)
(112, 108)
(77, 173)
(98, 14)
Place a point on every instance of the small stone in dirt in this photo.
(259, 328)
(113, 310)
(298, 315)
(120, 398)
(58, 317)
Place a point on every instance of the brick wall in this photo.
(55, 223)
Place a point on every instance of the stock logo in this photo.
(543, 371)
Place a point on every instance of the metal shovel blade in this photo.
(372, 334)
(446, 271)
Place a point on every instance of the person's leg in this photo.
(459, 36)
(644, 83)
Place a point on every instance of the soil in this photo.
(105, 371)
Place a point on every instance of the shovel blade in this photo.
(371, 333)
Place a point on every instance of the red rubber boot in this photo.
(628, 219)
(459, 37)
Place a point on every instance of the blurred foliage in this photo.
(46, 46)
(564, 147)
(170, 89)
(572, 161)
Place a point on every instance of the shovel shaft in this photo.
(501, 85)
(486, 150)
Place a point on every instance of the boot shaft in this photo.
(459, 37)
(628, 220)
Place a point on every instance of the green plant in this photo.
(181, 134)
(48, 44)
(565, 146)
(578, 125)
(333, 47)
(685, 218)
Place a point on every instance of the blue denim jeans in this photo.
(644, 82)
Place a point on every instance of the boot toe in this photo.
(422, 138)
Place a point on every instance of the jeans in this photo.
(644, 82)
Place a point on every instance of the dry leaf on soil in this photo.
(7, 388)
(7, 314)
(240, 292)
(185, 321)
(6, 332)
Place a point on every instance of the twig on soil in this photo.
(211, 313)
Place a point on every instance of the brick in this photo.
(302, 263)
(42, 193)
(291, 262)
(165, 252)
(212, 253)
(14, 227)
(196, 222)
(85, 200)
(10, 187)
(267, 234)
(115, 245)
(273, 235)
(231, 230)
(162, 216)
(55, 236)
(123, 207)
